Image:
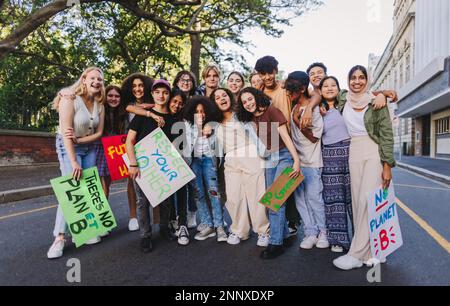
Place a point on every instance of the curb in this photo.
(430, 174)
(23, 194)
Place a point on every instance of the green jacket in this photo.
(379, 127)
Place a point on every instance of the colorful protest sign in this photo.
(163, 170)
(114, 148)
(84, 205)
(280, 190)
(385, 234)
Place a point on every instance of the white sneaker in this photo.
(233, 239)
(221, 235)
(374, 261)
(208, 232)
(56, 249)
(133, 225)
(347, 262)
(183, 236)
(322, 241)
(337, 249)
(192, 219)
(94, 240)
(308, 242)
(201, 227)
(263, 240)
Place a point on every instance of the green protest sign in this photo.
(280, 190)
(84, 205)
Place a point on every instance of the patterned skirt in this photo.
(337, 193)
(101, 160)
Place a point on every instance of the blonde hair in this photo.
(208, 68)
(79, 89)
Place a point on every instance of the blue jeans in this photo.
(86, 157)
(309, 201)
(206, 174)
(278, 224)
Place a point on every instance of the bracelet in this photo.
(134, 166)
(147, 114)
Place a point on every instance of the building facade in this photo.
(416, 63)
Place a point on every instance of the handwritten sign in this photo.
(280, 190)
(114, 148)
(163, 170)
(385, 233)
(84, 205)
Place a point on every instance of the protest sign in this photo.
(385, 234)
(84, 205)
(114, 148)
(280, 190)
(163, 170)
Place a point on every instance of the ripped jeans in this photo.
(206, 176)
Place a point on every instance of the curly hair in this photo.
(211, 112)
(127, 88)
(261, 99)
(266, 64)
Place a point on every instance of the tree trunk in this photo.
(196, 46)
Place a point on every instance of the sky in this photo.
(341, 34)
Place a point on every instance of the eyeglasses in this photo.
(185, 81)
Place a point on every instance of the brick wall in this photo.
(26, 148)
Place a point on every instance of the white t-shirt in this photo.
(202, 147)
(355, 121)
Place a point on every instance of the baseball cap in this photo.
(160, 83)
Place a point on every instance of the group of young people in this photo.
(238, 140)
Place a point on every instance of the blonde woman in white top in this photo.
(81, 120)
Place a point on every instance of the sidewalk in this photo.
(436, 169)
(25, 182)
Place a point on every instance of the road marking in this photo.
(41, 209)
(422, 187)
(423, 224)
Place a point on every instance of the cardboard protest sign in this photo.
(280, 190)
(114, 148)
(163, 170)
(84, 205)
(385, 233)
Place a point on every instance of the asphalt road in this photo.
(26, 227)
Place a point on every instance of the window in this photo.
(443, 126)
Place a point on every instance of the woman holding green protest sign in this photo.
(81, 120)
(254, 107)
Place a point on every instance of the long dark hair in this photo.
(127, 88)
(191, 76)
(324, 102)
(115, 118)
(211, 112)
(178, 92)
(261, 99)
(212, 99)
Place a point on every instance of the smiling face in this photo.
(316, 75)
(256, 81)
(185, 83)
(176, 105)
(138, 89)
(269, 79)
(222, 100)
(235, 83)
(161, 96)
(358, 81)
(249, 102)
(113, 98)
(212, 79)
(93, 82)
(330, 90)
(199, 115)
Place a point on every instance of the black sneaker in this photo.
(146, 245)
(272, 252)
(292, 229)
